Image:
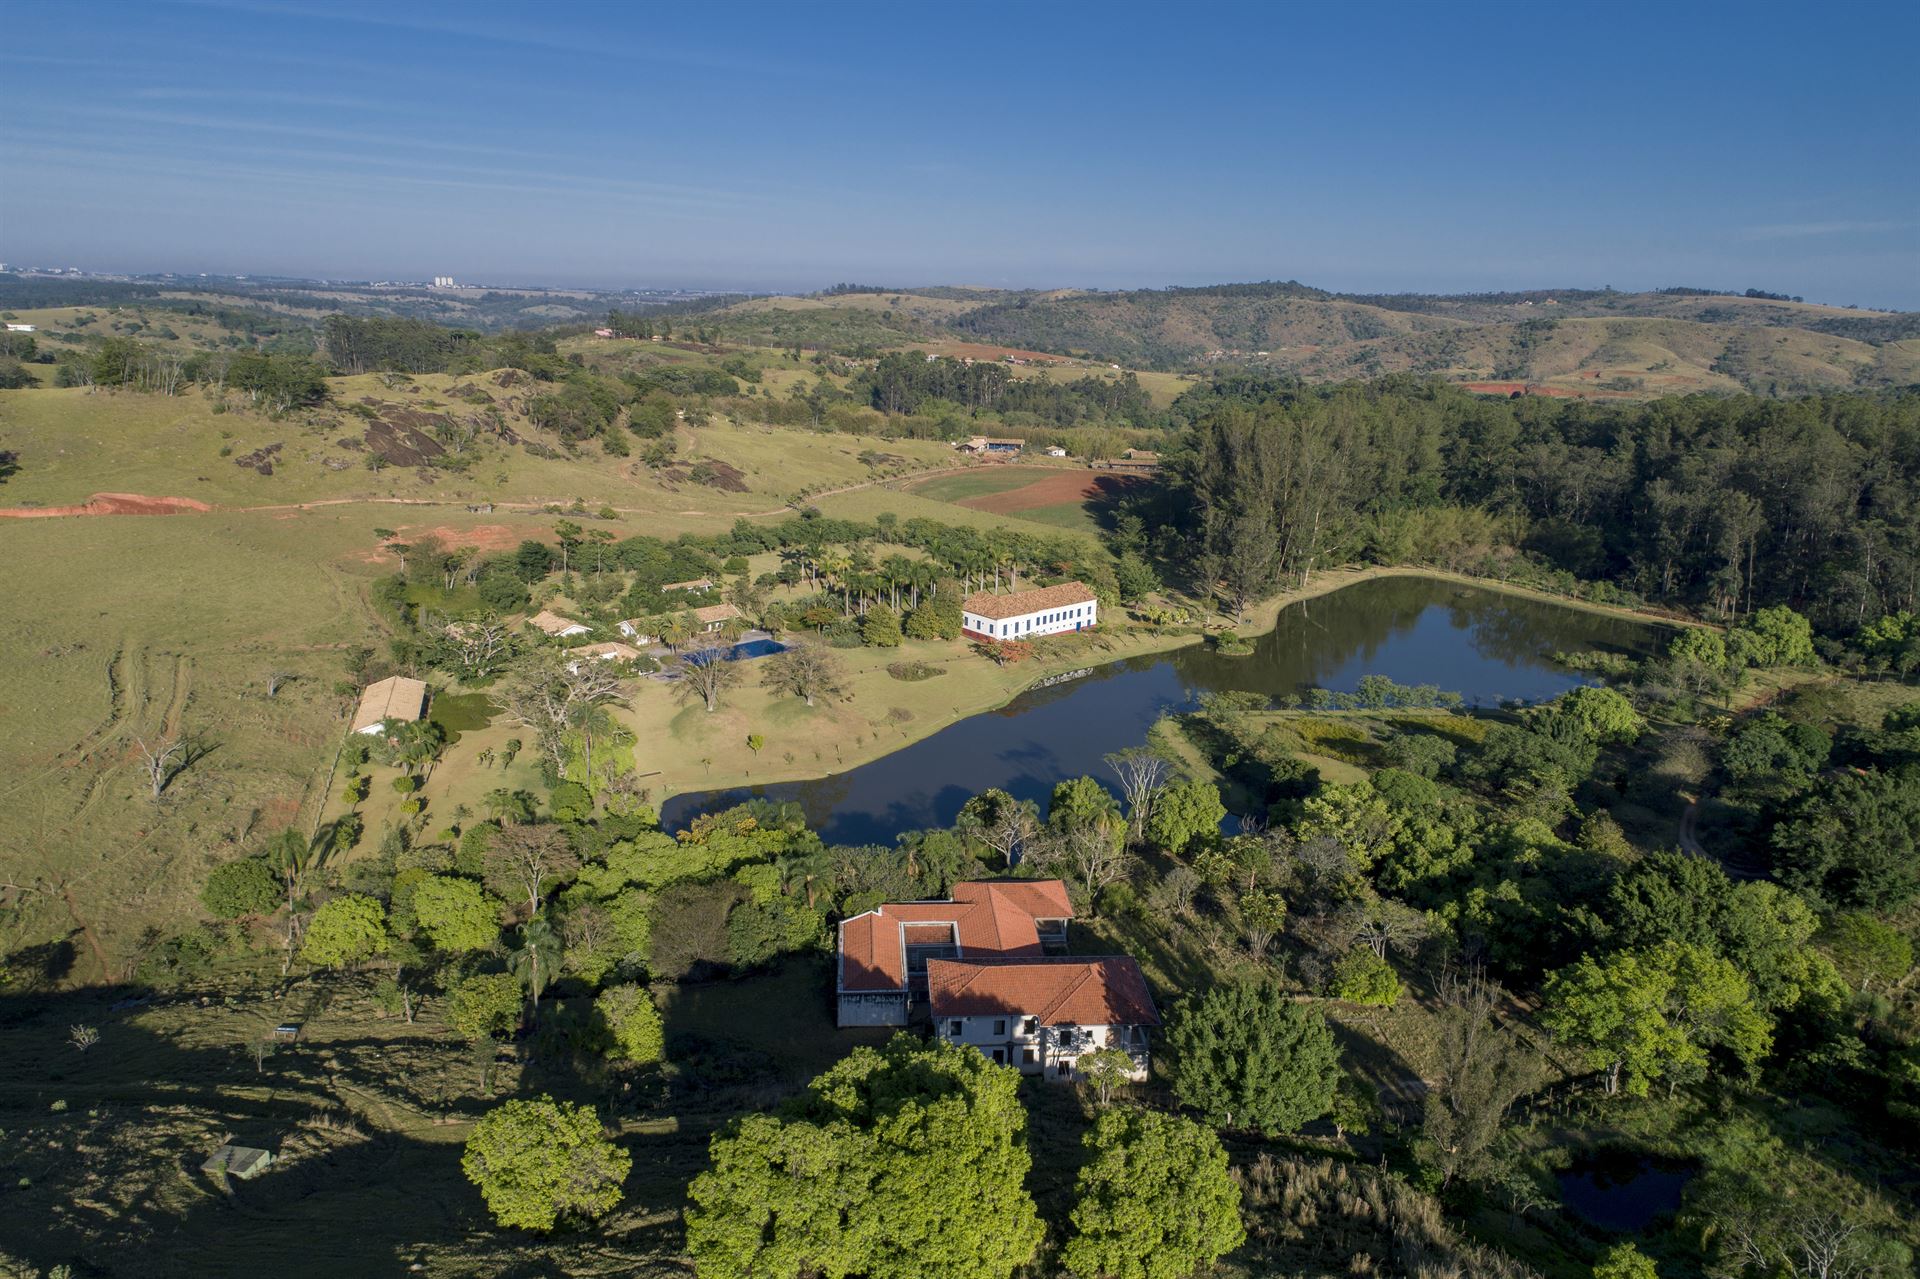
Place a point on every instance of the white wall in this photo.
(1070, 617)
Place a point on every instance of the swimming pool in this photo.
(743, 652)
(755, 648)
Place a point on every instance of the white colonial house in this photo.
(1041, 1014)
(883, 953)
(1050, 610)
(641, 630)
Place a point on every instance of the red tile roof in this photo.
(1106, 991)
(989, 918)
(1021, 603)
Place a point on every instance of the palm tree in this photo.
(536, 958)
(589, 718)
(293, 856)
(805, 870)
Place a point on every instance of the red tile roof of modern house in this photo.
(1021, 603)
(1106, 991)
(716, 613)
(987, 917)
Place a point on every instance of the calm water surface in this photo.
(1487, 646)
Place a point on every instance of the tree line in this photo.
(1721, 504)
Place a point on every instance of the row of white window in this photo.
(1021, 625)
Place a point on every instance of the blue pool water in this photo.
(755, 648)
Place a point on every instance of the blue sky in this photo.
(1356, 146)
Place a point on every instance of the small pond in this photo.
(1488, 646)
(460, 713)
(1624, 1191)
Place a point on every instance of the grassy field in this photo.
(977, 483)
(134, 628)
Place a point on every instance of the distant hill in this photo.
(1593, 342)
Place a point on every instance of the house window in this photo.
(999, 1056)
(953, 1028)
(1000, 1026)
(1028, 1056)
(1032, 1024)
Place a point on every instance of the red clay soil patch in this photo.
(1536, 388)
(982, 351)
(112, 504)
(483, 537)
(1057, 489)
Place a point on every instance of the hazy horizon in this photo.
(1383, 148)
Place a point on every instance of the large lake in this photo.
(1486, 645)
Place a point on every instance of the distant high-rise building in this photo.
(443, 282)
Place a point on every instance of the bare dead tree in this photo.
(479, 642)
(525, 859)
(275, 679)
(1095, 852)
(1142, 771)
(162, 761)
(705, 674)
(544, 696)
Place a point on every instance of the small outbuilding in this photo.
(395, 697)
(695, 584)
(613, 651)
(244, 1162)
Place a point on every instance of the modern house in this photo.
(884, 952)
(715, 617)
(396, 698)
(1054, 450)
(1050, 610)
(697, 584)
(608, 652)
(556, 626)
(19, 328)
(1041, 1014)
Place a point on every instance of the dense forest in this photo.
(1721, 504)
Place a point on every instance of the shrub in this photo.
(1362, 977)
(245, 887)
(632, 1024)
(913, 672)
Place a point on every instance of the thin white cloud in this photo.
(1803, 230)
(468, 27)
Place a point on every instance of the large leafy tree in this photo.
(1247, 1056)
(899, 1162)
(346, 931)
(1647, 1015)
(1182, 813)
(1854, 841)
(1155, 1201)
(456, 914)
(539, 1161)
